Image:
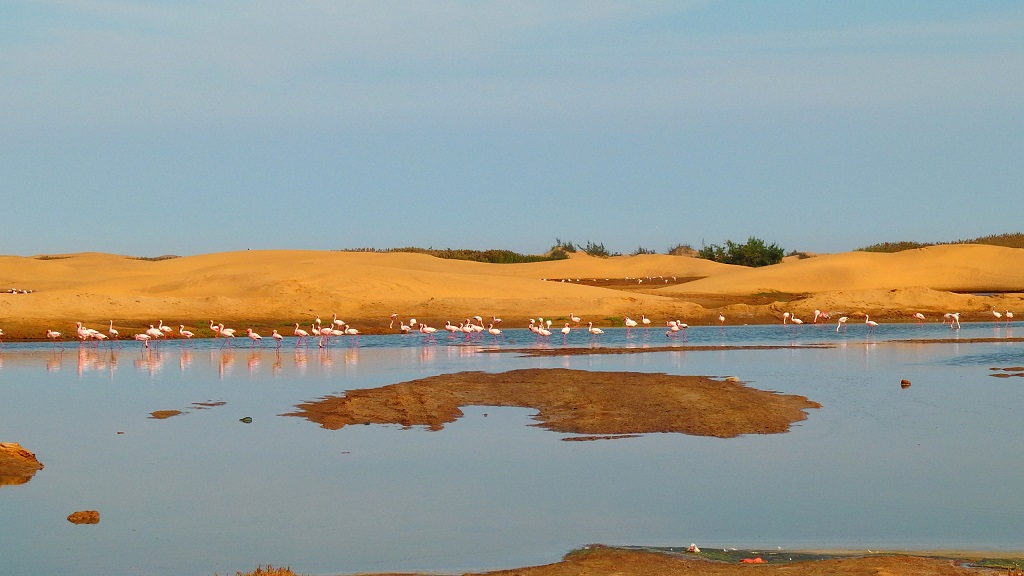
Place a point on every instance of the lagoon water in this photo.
(937, 465)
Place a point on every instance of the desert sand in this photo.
(275, 289)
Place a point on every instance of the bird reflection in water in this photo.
(184, 360)
(276, 367)
(254, 362)
(301, 360)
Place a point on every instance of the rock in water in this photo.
(84, 517)
(17, 465)
(904, 383)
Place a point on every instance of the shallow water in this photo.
(938, 465)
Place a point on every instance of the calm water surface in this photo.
(938, 465)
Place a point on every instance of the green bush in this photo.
(754, 253)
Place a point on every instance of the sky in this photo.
(186, 127)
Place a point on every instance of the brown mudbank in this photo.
(572, 401)
(17, 465)
(162, 414)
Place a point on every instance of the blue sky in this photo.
(179, 127)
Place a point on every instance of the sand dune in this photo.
(281, 287)
(959, 268)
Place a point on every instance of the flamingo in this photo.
(920, 318)
(113, 333)
(630, 324)
(451, 328)
(495, 320)
(574, 319)
(394, 317)
(996, 314)
(1009, 316)
(954, 318)
(428, 332)
(594, 332)
(144, 338)
(277, 338)
(167, 331)
(795, 320)
(300, 335)
(154, 332)
(254, 337)
(646, 322)
(52, 335)
(721, 319)
(404, 328)
(493, 331)
(947, 318)
(336, 322)
(226, 332)
(871, 324)
(817, 316)
(2, 337)
(785, 318)
(565, 332)
(187, 335)
(842, 323)
(349, 331)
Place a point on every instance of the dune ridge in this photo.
(280, 287)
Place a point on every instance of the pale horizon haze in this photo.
(180, 127)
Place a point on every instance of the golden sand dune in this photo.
(960, 268)
(279, 287)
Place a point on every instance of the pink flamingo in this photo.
(1009, 317)
(185, 334)
(841, 323)
(394, 317)
(113, 333)
(226, 333)
(254, 337)
(575, 319)
(919, 317)
(144, 338)
(630, 324)
(646, 322)
(785, 318)
(565, 332)
(428, 333)
(870, 323)
(996, 314)
(300, 335)
(594, 332)
(277, 338)
(493, 331)
(167, 330)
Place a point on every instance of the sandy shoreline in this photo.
(275, 289)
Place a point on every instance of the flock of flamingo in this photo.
(472, 328)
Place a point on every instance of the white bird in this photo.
(254, 337)
(842, 323)
(154, 332)
(996, 314)
(919, 316)
(954, 318)
(301, 334)
(795, 320)
(52, 335)
(166, 330)
(871, 324)
(594, 332)
(392, 324)
(646, 322)
(630, 324)
(574, 319)
(144, 338)
(113, 333)
(493, 331)
(817, 315)
(565, 332)
(184, 333)
(1009, 316)
(785, 317)
(721, 319)
(277, 338)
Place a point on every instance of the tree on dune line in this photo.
(1009, 240)
(754, 253)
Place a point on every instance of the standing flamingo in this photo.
(594, 332)
(1009, 317)
(996, 314)
(113, 333)
(254, 337)
(277, 338)
(391, 325)
(920, 318)
(630, 324)
(842, 323)
(494, 331)
(52, 335)
(785, 318)
(575, 319)
(646, 322)
(428, 333)
(144, 338)
(185, 334)
(167, 330)
(871, 324)
(721, 319)
(954, 319)
(300, 335)
(226, 333)
(565, 332)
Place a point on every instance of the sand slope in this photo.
(962, 268)
(279, 287)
